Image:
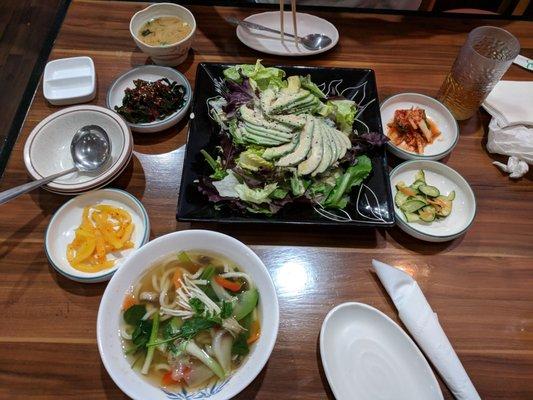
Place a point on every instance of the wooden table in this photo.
(480, 285)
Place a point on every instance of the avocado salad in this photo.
(283, 141)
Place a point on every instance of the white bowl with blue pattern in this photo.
(109, 315)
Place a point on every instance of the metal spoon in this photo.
(90, 149)
(313, 41)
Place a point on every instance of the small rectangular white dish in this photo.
(69, 81)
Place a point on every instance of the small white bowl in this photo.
(69, 81)
(109, 314)
(60, 231)
(367, 356)
(446, 180)
(172, 54)
(47, 149)
(150, 73)
(443, 145)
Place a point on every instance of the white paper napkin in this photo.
(511, 129)
(423, 324)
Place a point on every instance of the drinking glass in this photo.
(486, 55)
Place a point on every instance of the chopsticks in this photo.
(294, 24)
(282, 22)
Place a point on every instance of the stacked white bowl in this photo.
(47, 149)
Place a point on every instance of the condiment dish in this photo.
(109, 314)
(447, 180)
(67, 219)
(367, 356)
(168, 55)
(149, 73)
(436, 111)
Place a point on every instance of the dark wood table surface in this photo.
(481, 285)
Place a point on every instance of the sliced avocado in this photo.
(332, 145)
(307, 105)
(285, 101)
(260, 141)
(293, 121)
(344, 138)
(277, 152)
(341, 147)
(327, 153)
(302, 149)
(267, 97)
(251, 117)
(293, 84)
(283, 137)
(315, 155)
(259, 138)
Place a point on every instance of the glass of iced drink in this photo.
(486, 55)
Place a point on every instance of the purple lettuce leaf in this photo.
(237, 95)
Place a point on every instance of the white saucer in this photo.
(445, 179)
(367, 356)
(60, 231)
(150, 73)
(435, 110)
(270, 43)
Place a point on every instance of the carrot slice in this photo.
(255, 332)
(227, 284)
(129, 301)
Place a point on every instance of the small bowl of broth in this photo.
(165, 32)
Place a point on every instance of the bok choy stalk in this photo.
(222, 343)
(192, 349)
(151, 349)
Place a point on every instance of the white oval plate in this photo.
(60, 231)
(435, 110)
(150, 73)
(109, 314)
(446, 180)
(270, 43)
(367, 356)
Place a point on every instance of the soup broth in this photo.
(204, 310)
(162, 31)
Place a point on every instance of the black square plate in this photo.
(370, 204)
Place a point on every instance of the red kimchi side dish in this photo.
(412, 130)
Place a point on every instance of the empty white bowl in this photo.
(62, 226)
(172, 54)
(47, 149)
(150, 73)
(445, 179)
(367, 356)
(109, 314)
(435, 110)
(69, 80)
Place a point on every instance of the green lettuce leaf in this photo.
(251, 160)
(306, 83)
(354, 175)
(342, 112)
(255, 196)
(260, 76)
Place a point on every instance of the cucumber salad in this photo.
(421, 202)
(283, 141)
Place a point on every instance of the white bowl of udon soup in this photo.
(165, 32)
(192, 314)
